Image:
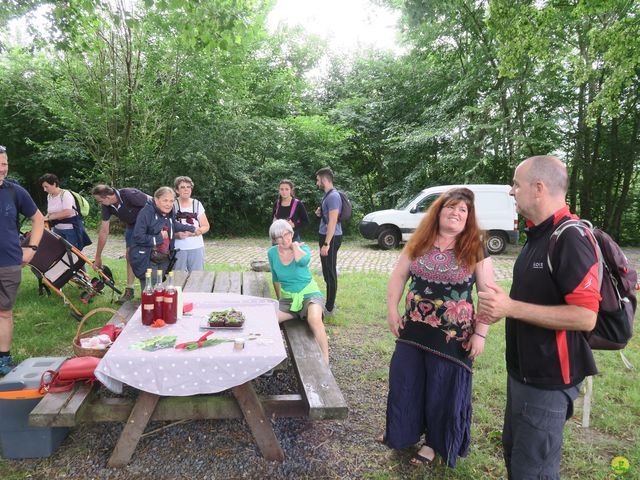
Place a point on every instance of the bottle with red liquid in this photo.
(158, 297)
(147, 300)
(170, 312)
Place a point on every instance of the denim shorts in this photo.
(128, 235)
(285, 305)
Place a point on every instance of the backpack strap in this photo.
(74, 203)
(585, 226)
(176, 205)
(293, 208)
(14, 197)
(276, 207)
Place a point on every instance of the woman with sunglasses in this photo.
(189, 211)
(297, 292)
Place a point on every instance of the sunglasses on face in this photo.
(283, 235)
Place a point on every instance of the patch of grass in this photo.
(43, 325)
(375, 375)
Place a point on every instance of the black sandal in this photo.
(418, 460)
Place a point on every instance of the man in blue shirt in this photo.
(330, 234)
(14, 200)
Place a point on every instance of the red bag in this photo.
(111, 331)
(79, 369)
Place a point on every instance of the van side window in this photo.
(425, 203)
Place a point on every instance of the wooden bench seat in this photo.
(61, 409)
(321, 392)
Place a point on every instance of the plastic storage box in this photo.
(18, 396)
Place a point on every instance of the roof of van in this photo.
(474, 187)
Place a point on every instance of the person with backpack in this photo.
(329, 234)
(63, 215)
(126, 204)
(289, 208)
(548, 312)
(189, 211)
(15, 201)
(154, 234)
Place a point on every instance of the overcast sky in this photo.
(346, 24)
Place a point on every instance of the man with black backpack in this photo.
(548, 312)
(14, 201)
(330, 234)
(124, 203)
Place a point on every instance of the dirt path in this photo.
(353, 256)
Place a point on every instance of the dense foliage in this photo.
(134, 93)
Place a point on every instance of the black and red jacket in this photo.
(539, 356)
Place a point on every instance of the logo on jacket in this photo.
(538, 265)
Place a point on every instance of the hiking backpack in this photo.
(190, 217)
(618, 279)
(81, 206)
(345, 212)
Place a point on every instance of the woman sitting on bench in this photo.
(297, 291)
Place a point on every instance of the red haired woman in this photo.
(430, 374)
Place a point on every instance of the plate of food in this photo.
(228, 318)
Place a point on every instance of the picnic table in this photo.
(319, 397)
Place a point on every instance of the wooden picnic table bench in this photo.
(320, 397)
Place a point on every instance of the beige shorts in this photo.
(285, 305)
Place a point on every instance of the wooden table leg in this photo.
(259, 423)
(130, 436)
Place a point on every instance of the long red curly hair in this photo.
(469, 243)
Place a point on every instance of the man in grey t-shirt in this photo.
(330, 234)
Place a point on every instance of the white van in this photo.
(495, 209)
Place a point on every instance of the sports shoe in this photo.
(332, 312)
(6, 365)
(127, 296)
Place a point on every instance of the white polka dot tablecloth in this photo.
(174, 372)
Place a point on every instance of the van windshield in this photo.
(404, 203)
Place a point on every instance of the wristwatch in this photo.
(32, 247)
(325, 244)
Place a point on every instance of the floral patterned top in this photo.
(439, 310)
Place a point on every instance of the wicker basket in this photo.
(93, 352)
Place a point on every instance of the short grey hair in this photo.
(551, 171)
(278, 228)
(162, 191)
(179, 180)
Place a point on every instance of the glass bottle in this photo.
(170, 312)
(158, 296)
(147, 300)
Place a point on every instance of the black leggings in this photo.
(329, 270)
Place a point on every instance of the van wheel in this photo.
(388, 239)
(496, 243)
